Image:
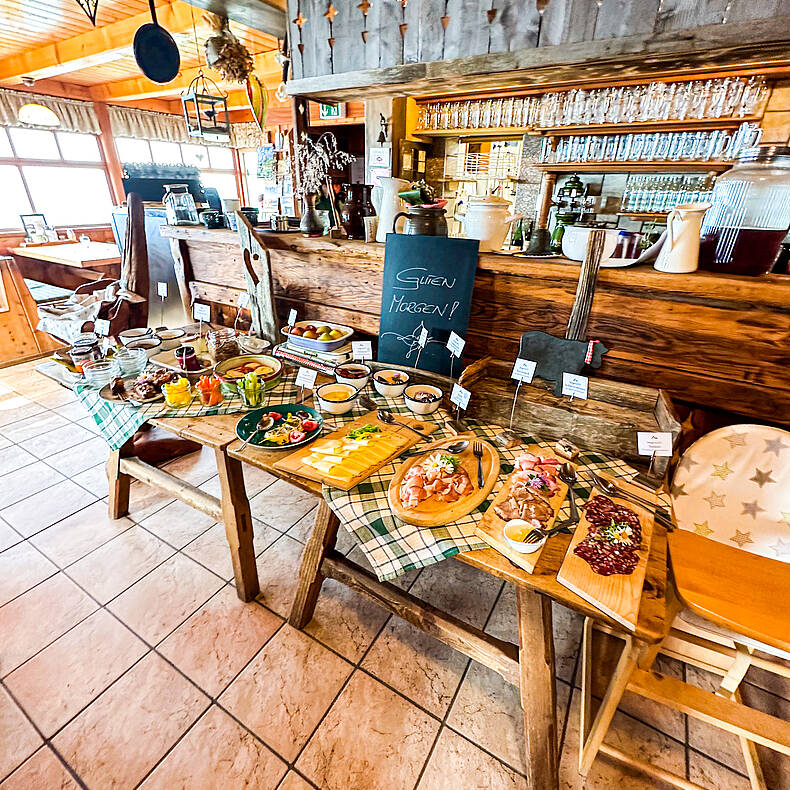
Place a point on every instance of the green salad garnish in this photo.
(360, 433)
(450, 460)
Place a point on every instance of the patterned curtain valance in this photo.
(246, 135)
(147, 125)
(74, 115)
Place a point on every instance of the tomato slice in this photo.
(274, 415)
(296, 436)
(309, 425)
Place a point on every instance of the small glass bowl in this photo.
(130, 362)
(97, 374)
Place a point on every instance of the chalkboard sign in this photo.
(427, 284)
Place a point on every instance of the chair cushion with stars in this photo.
(733, 486)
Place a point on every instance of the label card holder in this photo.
(575, 386)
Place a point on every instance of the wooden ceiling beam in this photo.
(268, 16)
(142, 88)
(101, 45)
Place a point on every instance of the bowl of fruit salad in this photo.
(318, 336)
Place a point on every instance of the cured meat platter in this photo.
(347, 456)
(437, 487)
(511, 503)
(607, 558)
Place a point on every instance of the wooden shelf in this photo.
(663, 165)
(645, 216)
(639, 127)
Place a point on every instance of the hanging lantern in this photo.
(206, 110)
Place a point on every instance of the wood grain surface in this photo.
(490, 526)
(709, 339)
(294, 462)
(618, 595)
(432, 512)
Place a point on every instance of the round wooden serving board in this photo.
(432, 513)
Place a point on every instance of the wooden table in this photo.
(68, 265)
(528, 665)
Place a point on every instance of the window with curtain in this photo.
(214, 162)
(61, 175)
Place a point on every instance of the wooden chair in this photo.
(728, 613)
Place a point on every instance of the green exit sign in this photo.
(329, 111)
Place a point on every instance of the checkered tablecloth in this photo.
(118, 422)
(393, 547)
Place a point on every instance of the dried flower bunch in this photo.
(316, 159)
(225, 53)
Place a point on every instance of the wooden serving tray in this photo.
(293, 463)
(617, 595)
(432, 513)
(490, 526)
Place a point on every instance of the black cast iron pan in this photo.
(155, 50)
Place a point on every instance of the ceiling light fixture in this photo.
(33, 114)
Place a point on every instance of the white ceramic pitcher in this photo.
(387, 203)
(680, 251)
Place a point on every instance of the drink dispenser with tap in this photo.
(750, 215)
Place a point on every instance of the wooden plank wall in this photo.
(707, 339)
(515, 25)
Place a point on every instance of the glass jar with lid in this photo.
(222, 345)
(750, 215)
(179, 205)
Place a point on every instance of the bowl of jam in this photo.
(353, 373)
(422, 398)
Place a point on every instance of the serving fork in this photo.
(477, 452)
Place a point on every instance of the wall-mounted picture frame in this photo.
(35, 226)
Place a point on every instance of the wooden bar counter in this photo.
(708, 339)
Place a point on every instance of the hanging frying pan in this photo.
(155, 50)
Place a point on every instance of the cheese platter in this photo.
(607, 557)
(438, 487)
(347, 456)
(522, 499)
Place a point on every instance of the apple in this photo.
(298, 331)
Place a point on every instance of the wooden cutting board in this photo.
(491, 525)
(294, 463)
(617, 595)
(431, 512)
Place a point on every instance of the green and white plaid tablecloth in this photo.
(393, 547)
(118, 422)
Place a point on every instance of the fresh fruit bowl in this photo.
(231, 371)
(309, 334)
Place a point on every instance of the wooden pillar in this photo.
(107, 143)
(538, 688)
(119, 484)
(544, 200)
(238, 171)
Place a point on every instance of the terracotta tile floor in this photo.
(126, 659)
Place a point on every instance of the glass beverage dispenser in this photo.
(750, 215)
(179, 205)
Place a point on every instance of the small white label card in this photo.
(244, 299)
(292, 317)
(575, 386)
(161, 290)
(460, 396)
(102, 327)
(306, 378)
(422, 340)
(659, 443)
(524, 370)
(361, 349)
(456, 344)
(201, 311)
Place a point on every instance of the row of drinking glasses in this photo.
(658, 146)
(651, 193)
(729, 97)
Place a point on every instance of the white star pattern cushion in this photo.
(733, 486)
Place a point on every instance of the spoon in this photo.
(567, 474)
(264, 423)
(455, 447)
(387, 418)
